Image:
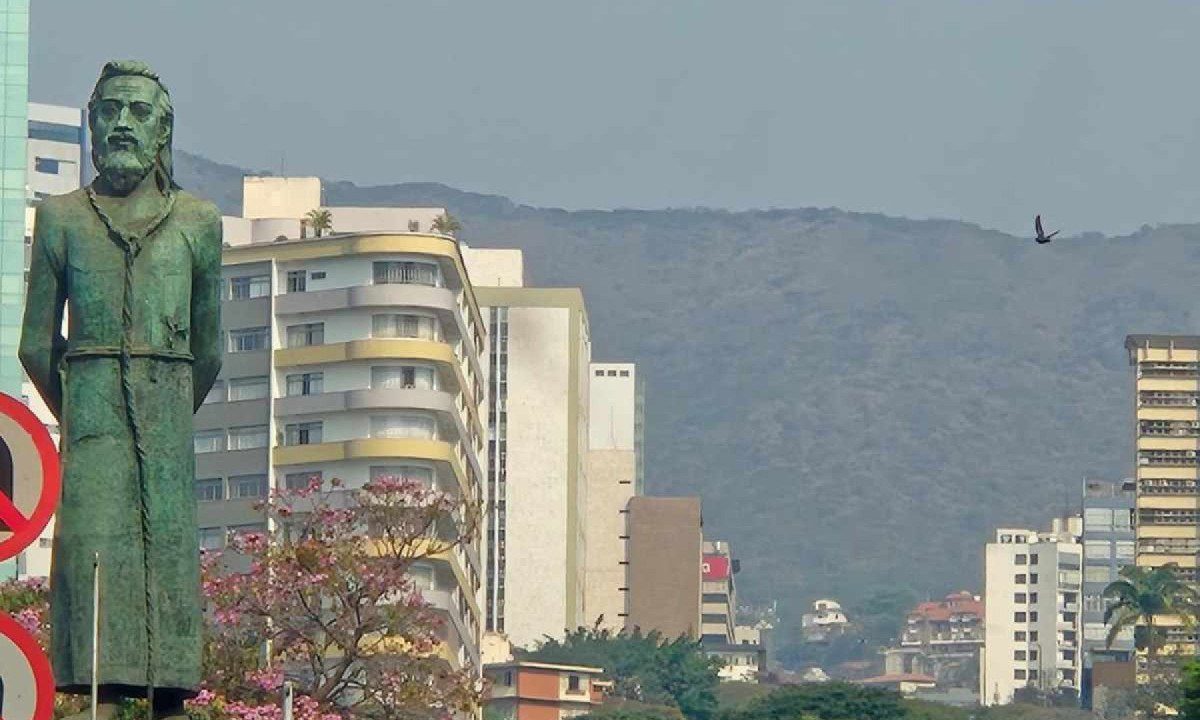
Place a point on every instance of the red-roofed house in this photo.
(942, 639)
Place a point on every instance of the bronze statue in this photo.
(136, 261)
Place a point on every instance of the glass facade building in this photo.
(14, 109)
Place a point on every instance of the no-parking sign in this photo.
(29, 477)
(26, 683)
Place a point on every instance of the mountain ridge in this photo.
(858, 398)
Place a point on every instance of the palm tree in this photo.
(1144, 595)
(319, 220)
(446, 224)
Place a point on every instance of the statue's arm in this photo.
(206, 308)
(42, 343)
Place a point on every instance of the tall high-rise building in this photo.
(614, 475)
(1167, 434)
(14, 110)
(1032, 623)
(352, 356)
(666, 538)
(537, 447)
(1108, 545)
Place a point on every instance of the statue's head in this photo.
(132, 121)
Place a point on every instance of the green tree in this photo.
(1189, 681)
(644, 667)
(446, 224)
(825, 701)
(1141, 598)
(320, 220)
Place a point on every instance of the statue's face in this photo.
(128, 128)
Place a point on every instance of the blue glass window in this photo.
(46, 165)
(55, 132)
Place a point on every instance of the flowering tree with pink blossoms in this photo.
(329, 602)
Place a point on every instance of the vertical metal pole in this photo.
(95, 633)
(287, 700)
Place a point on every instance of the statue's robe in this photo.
(142, 351)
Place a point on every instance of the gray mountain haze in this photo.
(859, 399)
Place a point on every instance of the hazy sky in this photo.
(1088, 112)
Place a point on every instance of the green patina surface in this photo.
(136, 263)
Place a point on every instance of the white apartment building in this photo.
(538, 409)
(614, 475)
(1032, 619)
(353, 356)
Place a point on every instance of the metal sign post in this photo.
(95, 633)
(287, 700)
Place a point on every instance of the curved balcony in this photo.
(438, 353)
(443, 301)
(435, 401)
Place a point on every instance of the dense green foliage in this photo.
(1189, 708)
(1140, 597)
(647, 668)
(858, 398)
(826, 701)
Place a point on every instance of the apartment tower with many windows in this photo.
(537, 447)
(1167, 432)
(354, 356)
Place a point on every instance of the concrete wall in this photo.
(494, 267)
(665, 550)
(280, 197)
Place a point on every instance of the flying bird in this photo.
(1042, 238)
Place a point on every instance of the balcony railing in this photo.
(1168, 486)
(1166, 398)
(1168, 517)
(1168, 458)
(1168, 546)
(1168, 369)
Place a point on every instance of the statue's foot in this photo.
(104, 711)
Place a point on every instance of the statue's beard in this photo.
(123, 169)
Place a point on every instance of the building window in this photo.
(1124, 549)
(1018, 674)
(306, 384)
(248, 528)
(1033, 598)
(1033, 636)
(599, 373)
(1033, 616)
(1019, 654)
(399, 377)
(306, 433)
(403, 426)
(210, 489)
(249, 339)
(302, 480)
(1033, 654)
(306, 334)
(216, 393)
(250, 388)
(317, 275)
(249, 437)
(403, 473)
(249, 287)
(422, 576)
(573, 684)
(1097, 549)
(46, 165)
(210, 538)
(297, 281)
(1019, 636)
(1020, 579)
(508, 678)
(1033, 559)
(55, 132)
(624, 373)
(243, 487)
(1021, 559)
(1019, 598)
(406, 273)
(1019, 617)
(1033, 578)
(395, 325)
(207, 441)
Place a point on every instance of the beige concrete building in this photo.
(352, 356)
(1032, 624)
(1167, 432)
(665, 562)
(614, 474)
(538, 438)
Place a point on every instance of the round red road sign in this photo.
(30, 478)
(26, 681)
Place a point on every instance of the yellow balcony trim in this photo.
(369, 448)
(1168, 532)
(1158, 442)
(1175, 384)
(386, 349)
(443, 552)
(361, 244)
(1147, 412)
(1172, 473)
(1168, 502)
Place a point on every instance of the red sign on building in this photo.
(715, 568)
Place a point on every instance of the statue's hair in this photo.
(164, 165)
